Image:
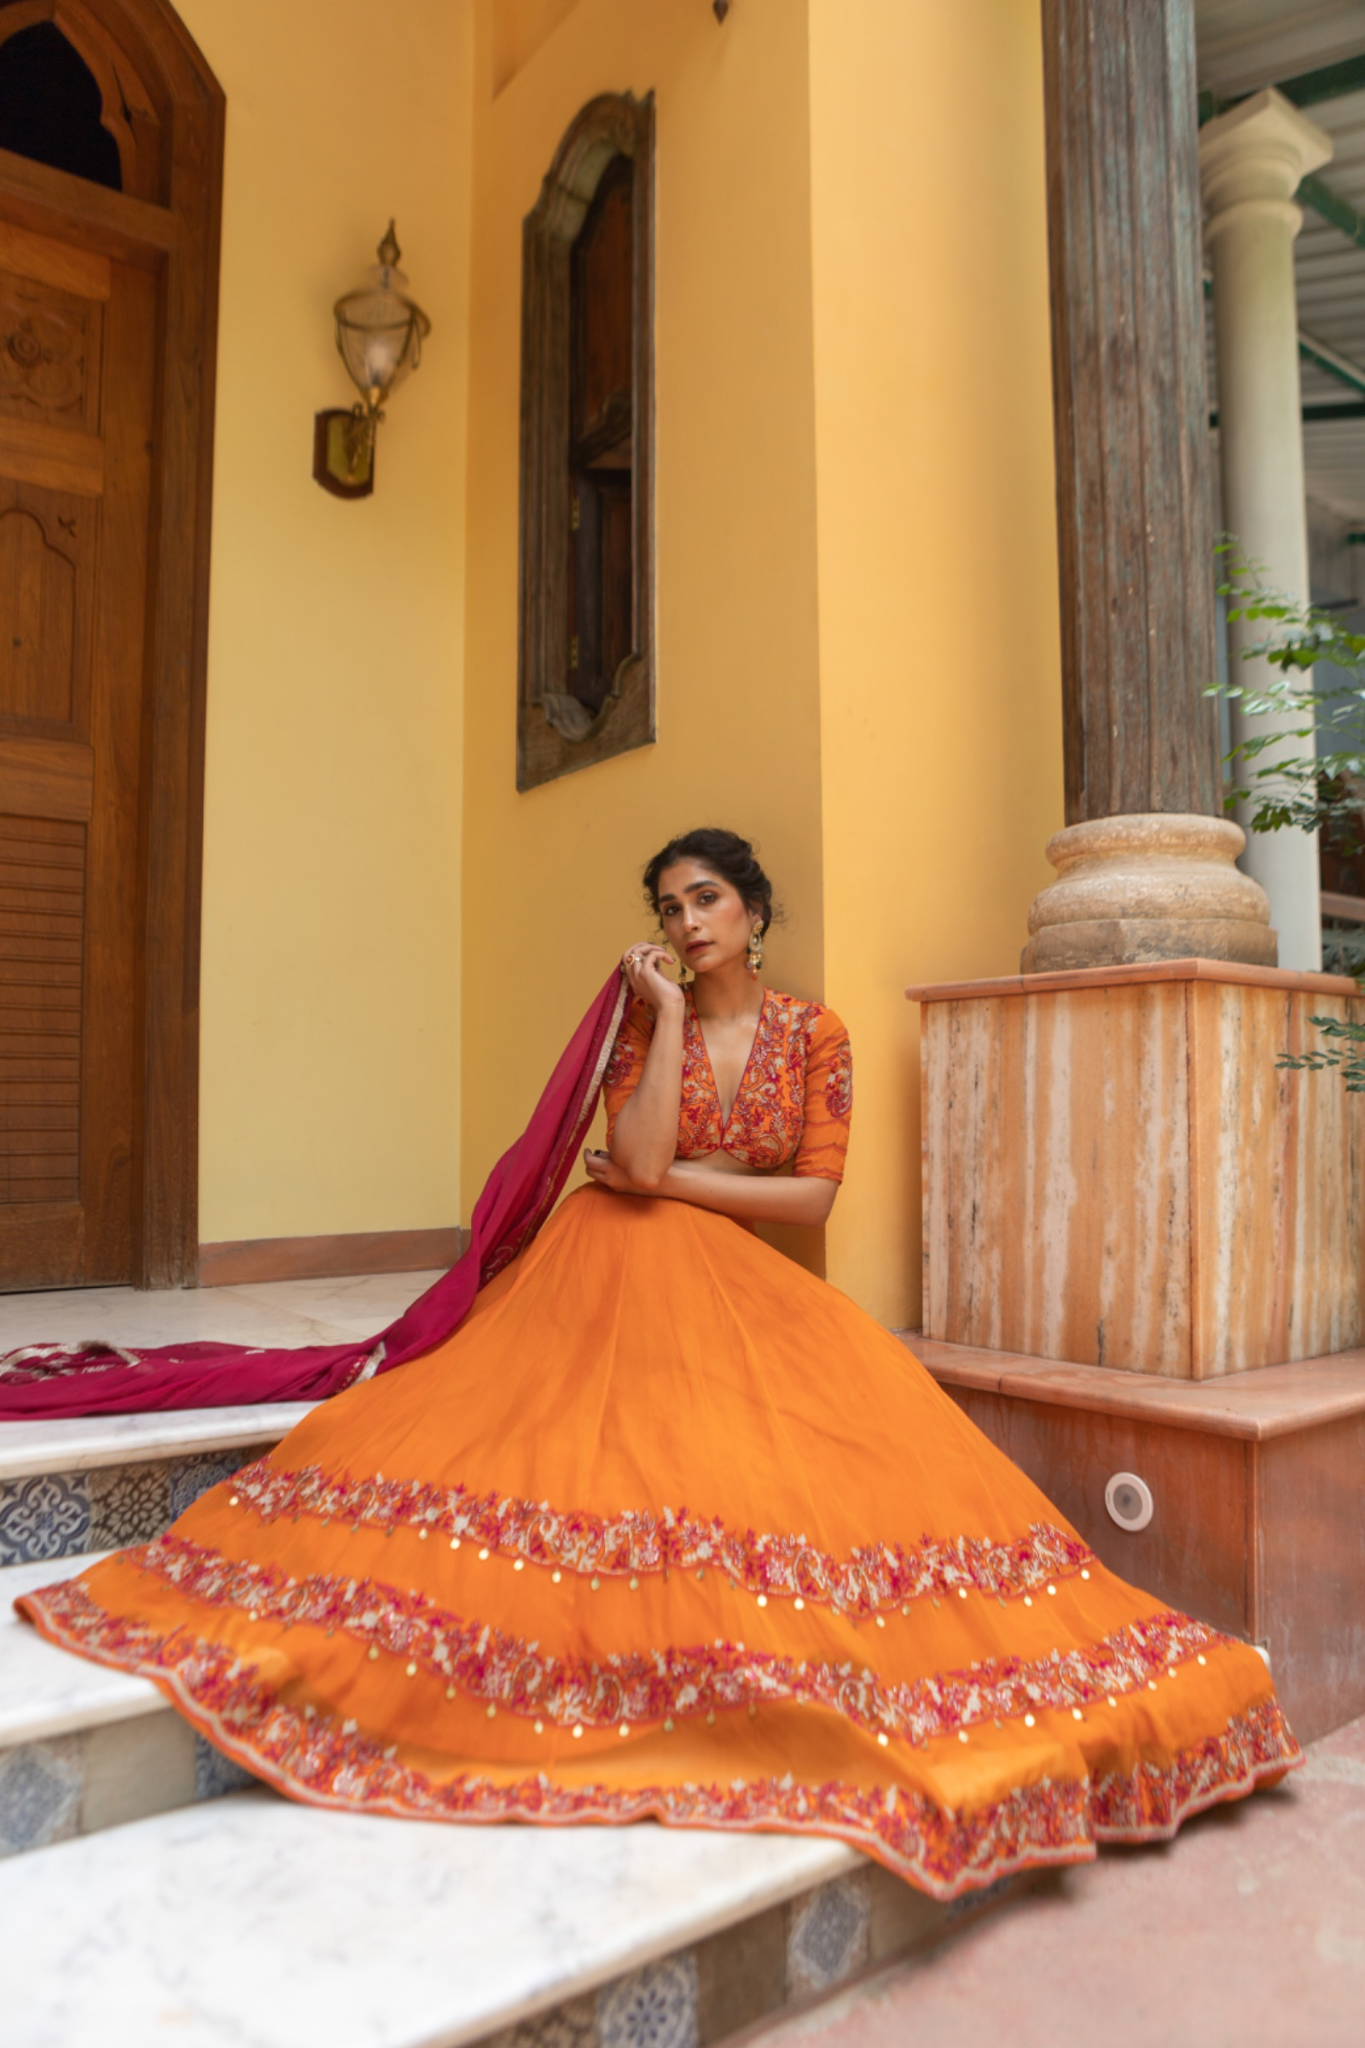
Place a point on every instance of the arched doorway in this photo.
(111, 146)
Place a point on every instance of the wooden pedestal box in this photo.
(1116, 1173)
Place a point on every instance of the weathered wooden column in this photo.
(1146, 860)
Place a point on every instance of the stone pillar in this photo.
(1133, 520)
(1251, 161)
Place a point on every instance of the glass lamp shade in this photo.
(380, 329)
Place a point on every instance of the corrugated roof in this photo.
(1244, 45)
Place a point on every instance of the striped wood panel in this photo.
(1121, 1175)
(42, 919)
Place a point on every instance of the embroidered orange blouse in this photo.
(794, 1101)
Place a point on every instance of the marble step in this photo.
(84, 1748)
(72, 1487)
(254, 1919)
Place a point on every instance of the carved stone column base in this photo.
(1154, 886)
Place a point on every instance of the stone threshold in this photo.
(1258, 1405)
(80, 1443)
(367, 1932)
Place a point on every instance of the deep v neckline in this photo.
(727, 1116)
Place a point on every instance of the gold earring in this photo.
(754, 957)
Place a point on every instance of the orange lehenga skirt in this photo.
(670, 1529)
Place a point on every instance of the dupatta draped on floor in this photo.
(99, 1378)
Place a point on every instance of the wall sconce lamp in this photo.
(379, 332)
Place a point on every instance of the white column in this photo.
(1251, 160)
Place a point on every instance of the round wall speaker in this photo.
(1129, 1501)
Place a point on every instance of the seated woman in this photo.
(669, 1528)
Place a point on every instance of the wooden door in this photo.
(77, 386)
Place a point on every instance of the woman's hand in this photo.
(603, 1169)
(644, 965)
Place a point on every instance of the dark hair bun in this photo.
(731, 857)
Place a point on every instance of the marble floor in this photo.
(268, 1312)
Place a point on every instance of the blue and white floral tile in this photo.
(128, 1504)
(44, 1517)
(192, 1476)
(214, 1773)
(827, 1938)
(969, 1901)
(569, 2026)
(40, 1794)
(653, 2008)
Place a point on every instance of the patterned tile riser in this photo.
(104, 1776)
(786, 1956)
(69, 1514)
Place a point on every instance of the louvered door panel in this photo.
(76, 354)
(42, 941)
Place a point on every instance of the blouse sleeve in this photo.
(829, 1103)
(627, 1061)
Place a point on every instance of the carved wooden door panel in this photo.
(77, 352)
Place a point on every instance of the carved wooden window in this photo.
(585, 654)
(71, 97)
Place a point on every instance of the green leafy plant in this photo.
(1314, 681)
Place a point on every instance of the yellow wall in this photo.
(330, 1040)
(552, 895)
(939, 655)
(857, 639)
(856, 634)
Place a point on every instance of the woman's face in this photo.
(705, 919)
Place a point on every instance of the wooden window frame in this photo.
(169, 223)
(615, 124)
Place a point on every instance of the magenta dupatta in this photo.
(107, 1379)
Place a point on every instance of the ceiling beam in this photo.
(1329, 82)
(1332, 361)
(1340, 212)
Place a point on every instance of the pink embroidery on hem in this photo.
(782, 1567)
(320, 1760)
(647, 1686)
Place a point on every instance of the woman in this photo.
(669, 1528)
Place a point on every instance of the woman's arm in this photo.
(645, 1136)
(754, 1198)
